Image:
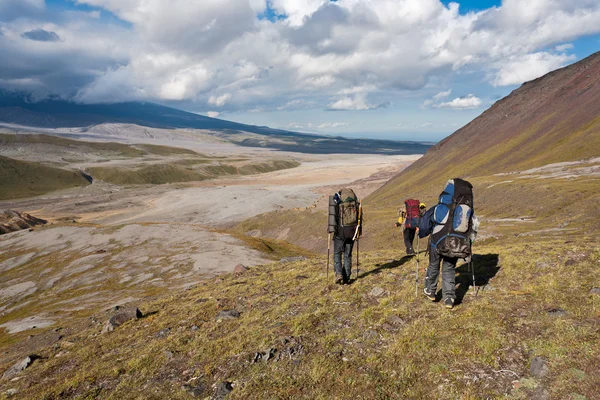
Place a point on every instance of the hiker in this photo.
(450, 224)
(347, 230)
(408, 219)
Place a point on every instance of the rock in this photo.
(228, 314)
(163, 333)
(517, 384)
(541, 394)
(557, 312)
(195, 328)
(395, 320)
(20, 366)
(570, 262)
(292, 259)
(123, 316)
(542, 264)
(539, 367)
(11, 392)
(595, 290)
(239, 269)
(300, 277)
(11, 221)
(222, 390)
(387, 327)
(195, 391)
(376, 292)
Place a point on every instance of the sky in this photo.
(394, 69)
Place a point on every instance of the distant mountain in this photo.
(16, 108)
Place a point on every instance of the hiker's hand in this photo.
(417, 231)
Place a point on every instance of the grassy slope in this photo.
(352, 346)
(25, 179)
(177, 172)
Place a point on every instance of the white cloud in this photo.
(519, 69)
(442, 95)
(564, 47)
(461, 103)
(213, 114)
(358, 102)
(218, 53)
(219, 101)
(313, 126)
(328, 125)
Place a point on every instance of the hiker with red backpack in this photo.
(408, 218)
(346, 225)
(451, 226)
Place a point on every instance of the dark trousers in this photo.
(448, 274)
(342, 246)
(409, 238)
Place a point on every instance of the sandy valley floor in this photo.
(110, 245)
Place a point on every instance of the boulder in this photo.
(539, 367)
(222, 390)
(228, 314)
(376, 292)
(20, 366)
(239, 269)
(123, 316)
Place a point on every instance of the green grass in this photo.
(349, 346)
(26, 179)
(187, 170)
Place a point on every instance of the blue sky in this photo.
(398, 69)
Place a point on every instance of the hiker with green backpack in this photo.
(450, 225)
(345, 222)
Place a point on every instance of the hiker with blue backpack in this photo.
(450, 225)
(408, 219)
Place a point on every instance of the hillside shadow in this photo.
(382, 267)
(486, 267)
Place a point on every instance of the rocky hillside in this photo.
(11, 221)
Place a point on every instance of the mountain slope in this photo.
(555, 118)
(55, 113)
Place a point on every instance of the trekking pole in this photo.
(328, 248)
(417, 271)
(357, 259)
(473, 271)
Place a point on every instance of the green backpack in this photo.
(348, 208)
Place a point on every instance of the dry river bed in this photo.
(109, 245)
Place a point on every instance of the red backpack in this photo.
(412, 213)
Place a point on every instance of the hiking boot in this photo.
(339, 279)
(410, 252)
(449, 302)
(430, 294)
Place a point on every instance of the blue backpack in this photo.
(452, 220)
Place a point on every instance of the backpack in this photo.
(453, 220)
(411, 219)
(348, 215)
(348, 208)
